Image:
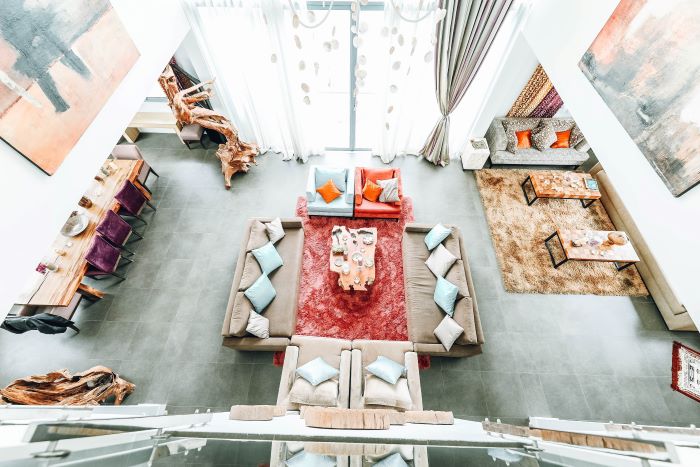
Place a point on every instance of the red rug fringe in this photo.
(278, 358)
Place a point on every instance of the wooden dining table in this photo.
(57, 288)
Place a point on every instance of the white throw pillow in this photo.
(258, 325)
(440, 261)
(324, 394)
(390, 190)
(448, 331)
(379, 392)
(317, 371)
(274, 229)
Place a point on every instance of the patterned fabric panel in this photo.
(532, 94)
(548, 106)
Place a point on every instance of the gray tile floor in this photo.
(568, 356)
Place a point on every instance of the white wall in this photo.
(34, 206)
(559, 33)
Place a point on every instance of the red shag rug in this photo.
(325, 309)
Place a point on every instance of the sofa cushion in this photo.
(240, 315)
(448, 331)
(464, 316)
(251, 272)
(458, 277)
(393, 460)
(323, 174)
(377, 174)
(535, 157)
(440, 261)
(258, 325)
(512, 125)
(543, 136)
(258, 236)
(436, 235)
(282, 311)
(261, 293)
(275, 231)
(377, 208)
(304, 393)
(268, 257)
(379, 392)
(445, 295)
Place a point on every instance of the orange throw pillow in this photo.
(523, 139)
(562, 141)
(329, 191)
(371, 191)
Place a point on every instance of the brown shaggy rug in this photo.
(518, 232)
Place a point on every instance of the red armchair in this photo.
(376, 209)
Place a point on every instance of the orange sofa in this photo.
(376, 209)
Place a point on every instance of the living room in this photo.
(505, 237)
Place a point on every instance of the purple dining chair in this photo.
(116, 231)
(103, 259)
(132, 201)
(132, 152)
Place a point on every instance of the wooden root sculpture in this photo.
(235, 155)
(91, 387)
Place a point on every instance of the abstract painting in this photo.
(59, 63)
(645, 64)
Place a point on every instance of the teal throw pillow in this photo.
(261, 293)
(436, 235)
(394, 460)
(386, 369)
(323, 174)
(445, 295)
(268, 258)
(317, 371)
(307, 459)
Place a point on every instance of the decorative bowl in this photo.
(339, 262)
(75, 224)
(368, 239)
(617, 238)
(369, 263)
(356, 257)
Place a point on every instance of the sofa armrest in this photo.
(418, 227)
(291, 356)
(344, 380)
(311, 184)
(496, 137)
(358, 186)
(349, 195)
(356, 380)
(413, 377)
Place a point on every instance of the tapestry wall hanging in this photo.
(645, 65)
(538, 98)
(59, 63)
(686, 371)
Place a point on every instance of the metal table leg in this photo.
(584, 204)
(551, 255)
(622, 266)
(527, 198)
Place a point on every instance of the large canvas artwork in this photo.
(645, 64)
(59, 63)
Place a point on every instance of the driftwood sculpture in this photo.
(91, 387)
(235, 155)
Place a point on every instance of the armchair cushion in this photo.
(373, 175)
(390, 190)
(380, 392)
(393, 460)
(339, 177)
(317, 371)
(324, 394)
(329, 191)
(338, 205)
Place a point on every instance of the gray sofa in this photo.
(497, 140)
(422, 313)
(282, 312)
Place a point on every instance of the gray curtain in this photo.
(464, 38)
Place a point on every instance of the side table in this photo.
(475, 154)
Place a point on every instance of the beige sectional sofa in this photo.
(672, 310)
(282, 312)
(422, 312)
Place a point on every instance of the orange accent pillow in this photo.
(523, 139)
(562, 141)
(373, 175)
(329, 191)
(371, 191)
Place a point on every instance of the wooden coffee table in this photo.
(594, 247)
(560, 185)
(353, 249)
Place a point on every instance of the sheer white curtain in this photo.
(400, 75)
(250, 48)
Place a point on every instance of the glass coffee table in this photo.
(352, 256)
